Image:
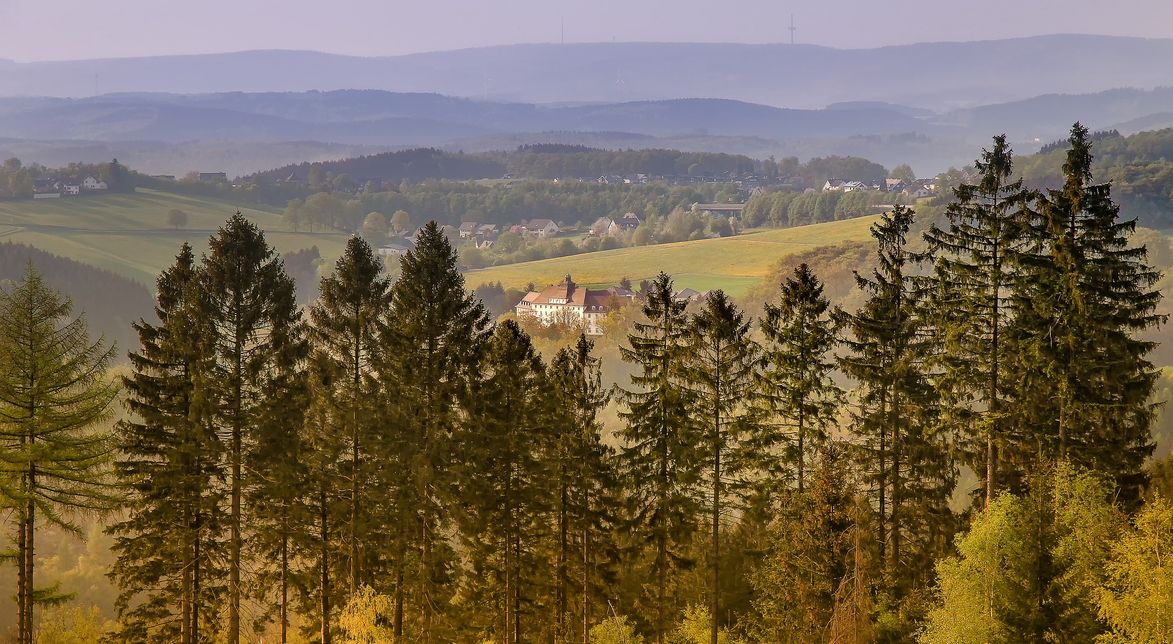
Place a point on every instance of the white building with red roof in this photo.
(568, 303)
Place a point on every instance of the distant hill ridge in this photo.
(937, 75)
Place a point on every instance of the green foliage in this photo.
(696, 628)
(1085, 293)
(721, 371)
(1136, 598)
(1029, 567)
(72, 625)
(428, 354)
(168, 565)
(615, 630)
(366, 619)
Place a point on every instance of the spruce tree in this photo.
(904, 459)
(721, 370)
(54, 393)
(277, 459)
(587, 490)
(1083, 294)
(429, 352)
(247, 303)
(342, 428)
(505, 493)
(970, 301)
(168, 555)
(798, 337)
(663, 452)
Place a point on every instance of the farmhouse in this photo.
(468, 229)
(541, 228)
(90, 183)
(567, 303)
(602, 226)
(628, 221)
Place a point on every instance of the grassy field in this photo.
(129, 235)
(735, 264)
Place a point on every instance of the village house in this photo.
(689, 295)
(90, 183)
(629, 221)
(568, 303)
(835, 185)
(468, 229)
(395, 248)
(602, 226)
(541, 228)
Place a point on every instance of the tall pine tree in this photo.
(246, 300)
(505, 492)
(903, 457)
(584, 468)
(346, 439)
(1084, 293)
(430, 350)
(663, 451)
(721, 371)
(799, 336)
(975, 276)
(168, 555)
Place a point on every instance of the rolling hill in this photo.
(128, 234)
(736, 264)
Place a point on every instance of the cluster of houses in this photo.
(915, 189)
(485, 235)
(52, 188)
(746, 181)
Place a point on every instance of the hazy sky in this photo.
(67, 29)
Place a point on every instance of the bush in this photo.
(616, 630)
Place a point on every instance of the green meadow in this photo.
(735, 264)
(129, 235)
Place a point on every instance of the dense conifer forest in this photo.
(964, 456)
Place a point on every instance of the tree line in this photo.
(391, 464)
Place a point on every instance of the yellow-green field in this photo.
(128, 234)
(735, 264)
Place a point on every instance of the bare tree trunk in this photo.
(284, 617)
(399, 598)
(586, 567)
(324, 562)
(195, 577)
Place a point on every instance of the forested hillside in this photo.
(1138, 166)
(111, 302)
(960, 452)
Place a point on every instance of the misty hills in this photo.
(936, 76)
(395, 119)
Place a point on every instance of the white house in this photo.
(70, 189)
(541, 228)
(90, 183)
(566, 303)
